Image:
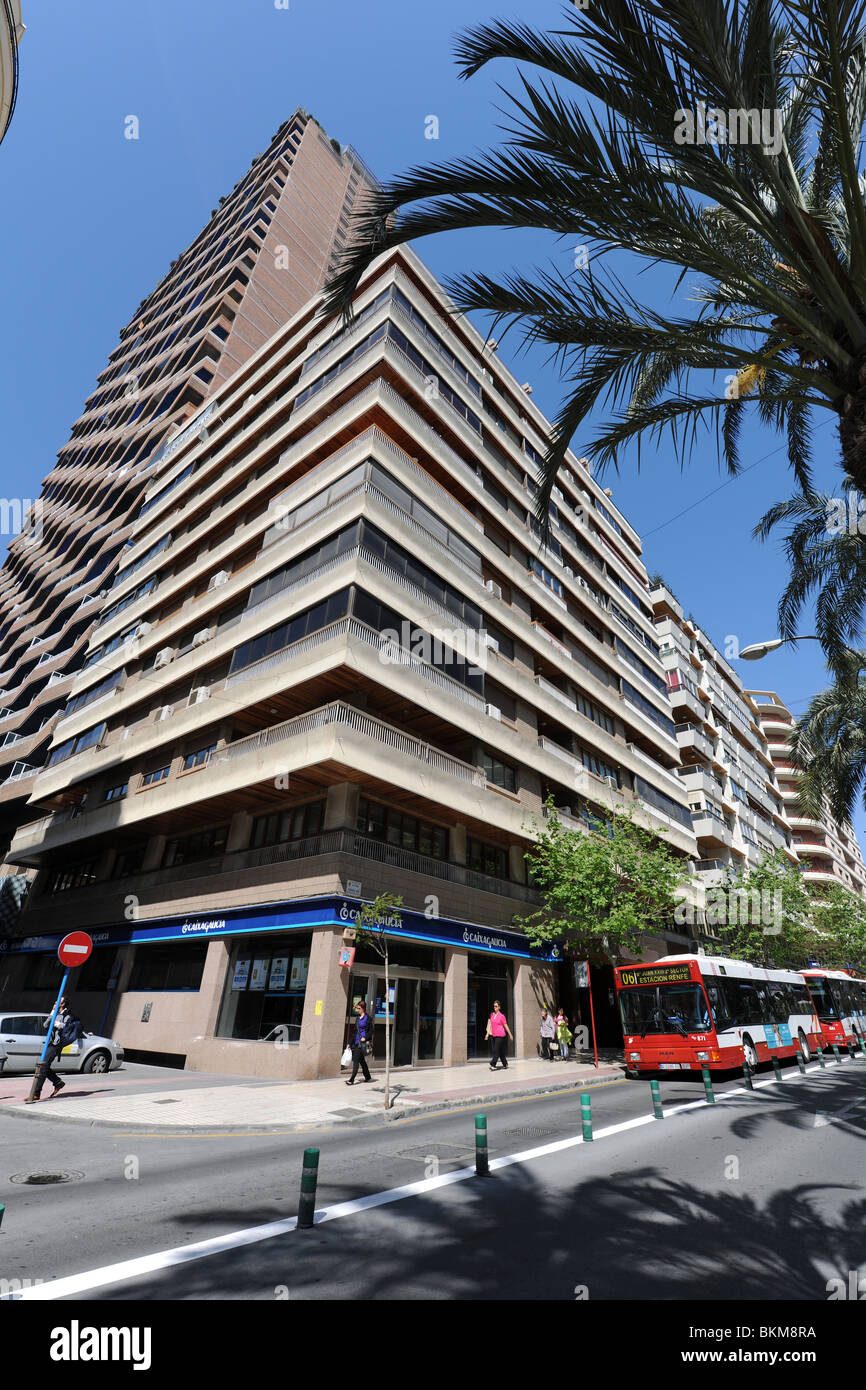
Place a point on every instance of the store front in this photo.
(261, 991)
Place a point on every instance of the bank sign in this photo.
(302, 915)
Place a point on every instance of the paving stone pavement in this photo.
(197, 1101)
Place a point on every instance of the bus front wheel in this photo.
(750, 1056)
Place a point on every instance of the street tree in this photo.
(373, 923)
(602, 888)
(764, 913)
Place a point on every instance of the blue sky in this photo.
(209, 84)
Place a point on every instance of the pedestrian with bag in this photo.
(67, 1029)
(547, 1030)
(563, 1035)
(497, 1027)
(361, 1043)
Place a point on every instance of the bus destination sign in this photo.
(657, 975)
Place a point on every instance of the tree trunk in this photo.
(387, 1037)
(852, 430)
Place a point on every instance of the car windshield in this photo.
(664, 1009)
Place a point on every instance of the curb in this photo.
(368, 1121)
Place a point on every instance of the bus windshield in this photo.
(823, 993)
(664, 1009)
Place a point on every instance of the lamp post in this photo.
(756, 650)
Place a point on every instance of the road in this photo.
(760, 1197)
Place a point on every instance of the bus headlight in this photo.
(702, 1056)
(634, 1056)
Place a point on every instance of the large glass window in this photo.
(488, 859)
(206, 844)
(177, 965)
(501, 774)
(295, 824)
(277, 638)
(394, 827)
(265, 989)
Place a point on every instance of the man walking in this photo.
(362, 1035)
(67, 1029)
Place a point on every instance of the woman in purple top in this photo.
(497, 1027)
(362, 1035)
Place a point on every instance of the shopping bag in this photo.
(346, 1058)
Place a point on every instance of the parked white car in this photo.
(22, 1037)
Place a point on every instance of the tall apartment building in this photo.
(266, 249)
(11, 32)
(828, 850)
(336, 661)
(728, 775)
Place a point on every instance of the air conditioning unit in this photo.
(491, 642)
(165, 713)
(493, 711)
(163, 657)
(143, 629)
(204, 635)
(493, 588)
(612, 782)
(563, 810)
(201, 692)
(569, 571)
(221, 577)
(582, 582)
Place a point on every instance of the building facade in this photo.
(266, 249)
(727, 773)
(828, 851)
(336, 661)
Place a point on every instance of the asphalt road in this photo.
(750, 1199)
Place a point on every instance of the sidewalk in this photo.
(196, 1101)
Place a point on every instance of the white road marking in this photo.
(233, 1240)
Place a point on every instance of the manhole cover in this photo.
(348, 1113)
(530, 1133)
(170, 1101)
(45, 1179)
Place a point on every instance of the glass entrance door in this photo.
(405, 1024)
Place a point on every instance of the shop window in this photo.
(96, 971)
(207, 844)
(129, 861)
(265, 988)
(43, 972)
(175, 966)
(405, 953)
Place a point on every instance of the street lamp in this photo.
(756, 650)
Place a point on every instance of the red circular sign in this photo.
(74, 948)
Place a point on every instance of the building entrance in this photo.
(414, 1012)
(489, 979)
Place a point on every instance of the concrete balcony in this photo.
(708, 827)
(685, 703)
(689, 737)
(694, 779)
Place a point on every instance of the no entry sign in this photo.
(74, 948)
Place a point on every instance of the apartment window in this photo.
(94, 693)
(487, 859)
(77, 875)
(199, 758)
(662, 802)
(546, 577)
(295, 824)
(634, 697)
(158, 775)
(188, 849)
(116, 793)
(592, 711)
(129, 860)
(178, 966)
(277, 638)
(394, 827)
(501, 774)
(85, 740)
(381, 618)
(599, 767)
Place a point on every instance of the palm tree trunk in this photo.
(852, 429)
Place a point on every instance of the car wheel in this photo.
(750, 1054)
(97, 1061)
(805, 1049)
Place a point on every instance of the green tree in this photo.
(828, 745)
(840, 929)
(372, 925)
(608, 144)
(603, 890)
(764, 913)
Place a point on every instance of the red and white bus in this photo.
(682, 1013)
(840, 1003)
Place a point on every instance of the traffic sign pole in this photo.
(73, 951)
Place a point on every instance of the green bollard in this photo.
(708, 1085)
(801, 1065)
(657, 1101)
(482, 1165)
(2, 1209)
(309, 1178)
(777, 1069)
(836, 1053)
(586, 1116)
(747, 1076)
(820, 1055)
(862, 1045)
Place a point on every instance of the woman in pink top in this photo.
(497, 1028)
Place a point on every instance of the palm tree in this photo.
(773, 224)
(826, 558)
(829, 743)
